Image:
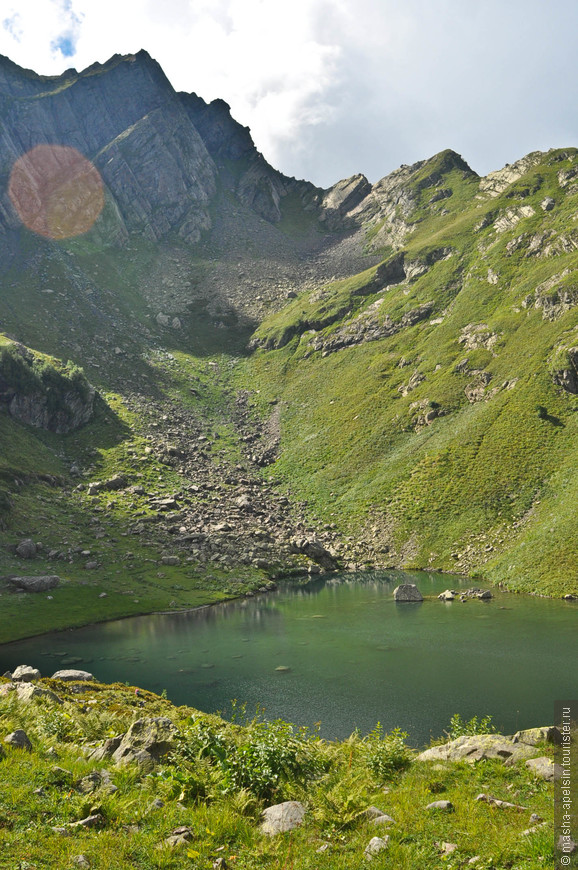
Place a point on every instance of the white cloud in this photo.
(333, 87)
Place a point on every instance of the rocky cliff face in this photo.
(160, 154)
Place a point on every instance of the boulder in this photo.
(282, 817)
(545, 768)
(180, 836)
(441, 806)
(375, 846)
(534, 736)
(19, 738)
(26, 549)
(448, 595)
(496, 802)
(25, 674)
(25, 692)
(407, 592)
(40, 583)
(314, 551)
(69, 674)
(146, 741)
(473, 748)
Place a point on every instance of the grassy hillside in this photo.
(422, 412)
(59, 808)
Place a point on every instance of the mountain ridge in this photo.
(386, 372)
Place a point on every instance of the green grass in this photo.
(220, 777)
(493, 482)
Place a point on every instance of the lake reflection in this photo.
(339, 650)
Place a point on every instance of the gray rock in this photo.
(170, 560)
(448, 848)
(19, 739)
(282, 817)
(25, 674)
(26, 549)
(89, 822)
(316, 552)
(40, 583)
(407, 592)
(545, 768)
(534, 736)
(448, 595)
(441, 806)
(106, 750)
(375, 846)
(180, 836)
(547, 203)
(146, 741)
(473, 748)
(25, 692)
(97, 779)
(496, 802)
(81, 861)
(69, 674)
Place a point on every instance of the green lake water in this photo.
(341, 652)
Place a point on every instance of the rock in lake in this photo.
(407, 592)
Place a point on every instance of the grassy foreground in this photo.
(221, 775)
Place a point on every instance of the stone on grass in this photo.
(448, 848)
(39, 583)
(375, 846)
(545, 768)
(89, 822)
(25, 674)
(407, 592)
(27, 691)
(441, 806)
(180, 836)
(26, 549)
(534, 736)
(146, 741)
(496, 802)
(377, 816)
(81, 861)
(69, 674)
(282, 817)
(19, 739)
(473, 748)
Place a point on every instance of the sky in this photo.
(331, 88)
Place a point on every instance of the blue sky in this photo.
(335, 87)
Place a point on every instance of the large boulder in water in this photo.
(407, 592)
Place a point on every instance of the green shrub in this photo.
(460, 728)
(386, 754)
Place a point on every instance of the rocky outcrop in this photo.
(477, 747)
(35, 410)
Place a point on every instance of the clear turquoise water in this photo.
(354, 656)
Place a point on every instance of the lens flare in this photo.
(56, 191)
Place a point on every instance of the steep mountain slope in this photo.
(384, 373)
(434, 398)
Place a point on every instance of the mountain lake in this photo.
(339, 651)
